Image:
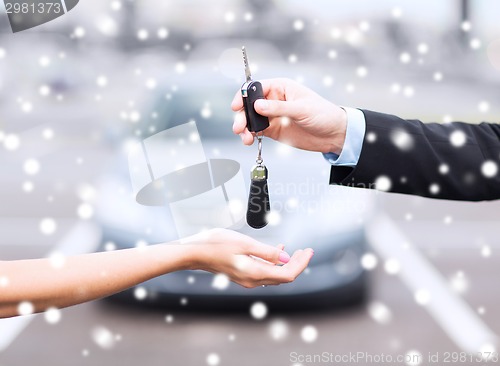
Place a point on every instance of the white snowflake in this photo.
(405, 58)
(402, 139)
(258, 310)
(102, 81)
(298, 25)
(328, 80)
(220, 281)
(151, 83)
(483, 106)
(422, 296)
(413, 358)
(362, 71)
(371, 137)
(57, 259)
(392, 266)
(369, 261)
(458, 138)
(309, 334)
(278, 329)
(44, 90)
(206, 111)
(486, 251)
(475, 43)
(444, 169)
(26, 107)
(332, 54)
(489, 168)
(213, 359)
(4, 281)
(395, 88)
(79, 32)
(379, 312)
(434, 188)
(140, 293)
(229, 17)
(109, 246)
(408, 91)
(292, 58)
(142, 34)
(47, 226)
(25, 308)
(383, 183)
(180, 67)
(52, 315)
(273, 218)
(28, 186)
(85, 211)
(466, 26)
(162, 33)
(44, 61)
(31, 166)
(134, 116)
(396, 12)
(459, 282)
(103, 337)
(116, 5)
(364, 26)
(438, 76)
(236, 206)
(423, 48)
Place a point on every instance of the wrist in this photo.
(339, 135)
(177, 256)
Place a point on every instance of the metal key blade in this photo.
(247, 67)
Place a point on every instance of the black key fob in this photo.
(258, 200)
(251, 91)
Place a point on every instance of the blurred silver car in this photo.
(308, 212)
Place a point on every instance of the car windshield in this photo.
(211, 111)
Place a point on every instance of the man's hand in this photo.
(298, 117)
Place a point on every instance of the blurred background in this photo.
(77, 92)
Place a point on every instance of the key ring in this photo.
(259, 160)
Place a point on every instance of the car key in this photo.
(258, 199)
(251, 91)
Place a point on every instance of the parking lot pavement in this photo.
(142, 335)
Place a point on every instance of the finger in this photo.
(280, 246)
(297, 264)
(240, 123)
(240, 128)
(237, 103)
(279, 108)
(247, 137)
(275, 275)
(268, 253)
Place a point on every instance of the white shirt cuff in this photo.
(355, 134)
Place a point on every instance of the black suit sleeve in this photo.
(454, 161)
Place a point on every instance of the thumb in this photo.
(268, 253)
(278, 108)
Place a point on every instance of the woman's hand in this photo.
(298, 117)
(42, 284)
(245, 260)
